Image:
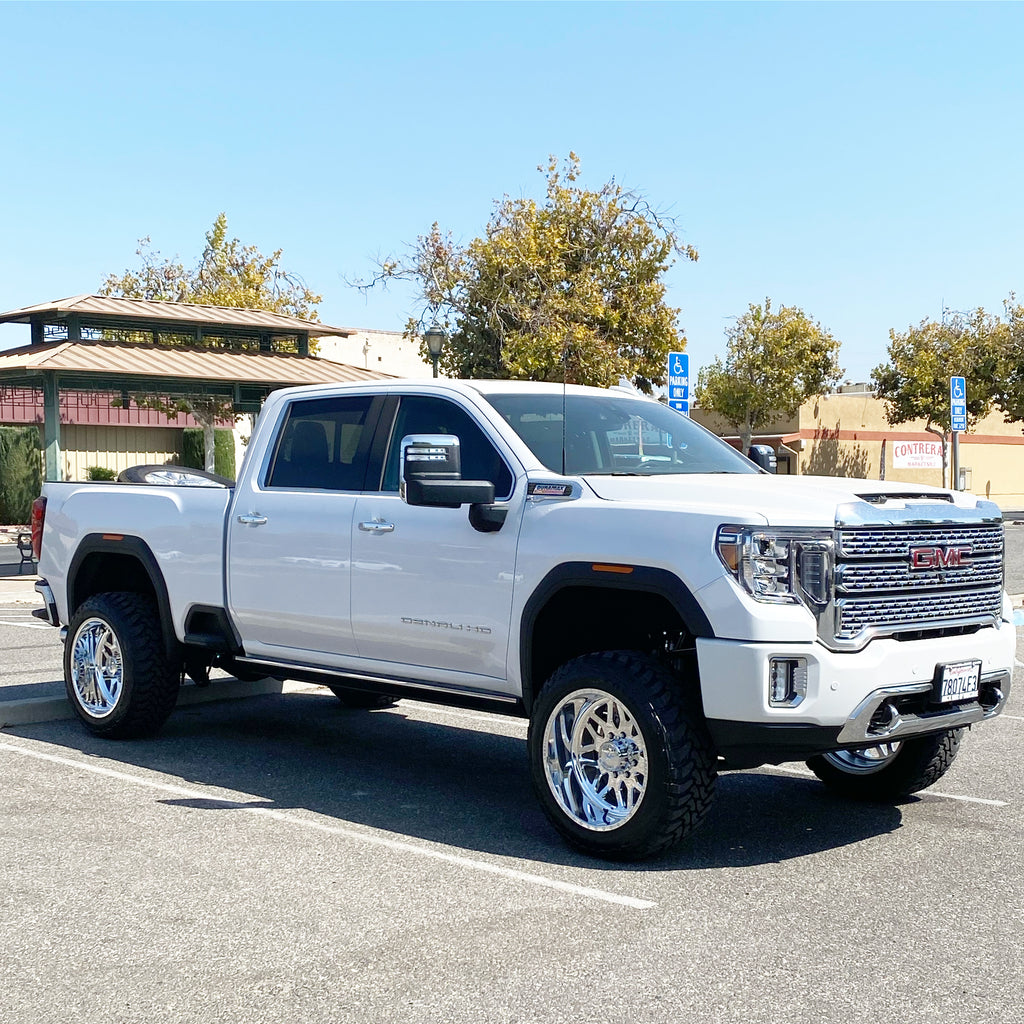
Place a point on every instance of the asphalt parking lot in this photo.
(281, 858)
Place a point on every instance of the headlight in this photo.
(779, 565)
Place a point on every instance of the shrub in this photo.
(193, 451)
(100, 473)
(21, 473)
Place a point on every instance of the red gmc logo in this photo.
(938, 558)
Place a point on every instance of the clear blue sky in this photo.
(861, 161)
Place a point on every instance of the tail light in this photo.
(38, 515)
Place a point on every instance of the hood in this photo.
(774, 500)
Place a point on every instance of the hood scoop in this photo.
(904, 496)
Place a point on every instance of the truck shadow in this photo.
(445, 783)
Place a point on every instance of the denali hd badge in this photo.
(939, 558)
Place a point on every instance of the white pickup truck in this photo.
(659, 607)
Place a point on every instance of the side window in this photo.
(418, 414)
(323, 445)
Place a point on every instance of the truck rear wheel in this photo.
(117, 674)
(621, 760)
(888, 771)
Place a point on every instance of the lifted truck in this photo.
(657, 606)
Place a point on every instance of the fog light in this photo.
(787, 682)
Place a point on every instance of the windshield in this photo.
(615, 435)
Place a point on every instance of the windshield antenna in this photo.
(565, 361)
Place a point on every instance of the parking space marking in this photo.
(344, 832)
(807, 774)
(28, 625)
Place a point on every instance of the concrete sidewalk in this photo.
(19, 590)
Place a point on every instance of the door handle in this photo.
(252, 520)
(377, 526)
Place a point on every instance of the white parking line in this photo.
(36, 624)
(804, 774)
(344, 832)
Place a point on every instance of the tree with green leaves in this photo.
(228, 273)
(776, 359)
(1008, 378)
(569, 288)
(914, 384)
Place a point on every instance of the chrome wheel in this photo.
(97, 668)
(595, 760)
(864, 760)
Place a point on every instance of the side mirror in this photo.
(432, 474)
(763, 455)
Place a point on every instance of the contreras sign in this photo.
(917, 454)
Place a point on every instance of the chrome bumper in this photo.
(893, 724)
(48, 613)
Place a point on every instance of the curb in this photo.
(36, 710)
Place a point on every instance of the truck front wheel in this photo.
(621, 760)
(117, 674)
(888, 771)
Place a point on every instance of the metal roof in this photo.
(102, 365)
(110, 311)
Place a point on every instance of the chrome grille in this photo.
(880, 543)
(877, 590)
(863, 576)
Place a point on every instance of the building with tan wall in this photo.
(847, 434)
(387, 352)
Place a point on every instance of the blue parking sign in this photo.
(679, 382)
(958, 404)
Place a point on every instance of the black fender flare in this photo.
(137, 549)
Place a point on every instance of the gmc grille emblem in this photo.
(939, 558)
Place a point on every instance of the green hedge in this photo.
(21, 473)
(193, 451)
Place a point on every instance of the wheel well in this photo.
(104, 571)
(579, 620)
(127, 568)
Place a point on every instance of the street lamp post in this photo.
(435, 338)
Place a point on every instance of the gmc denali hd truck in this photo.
(657, 606)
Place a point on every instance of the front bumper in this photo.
(879, 694)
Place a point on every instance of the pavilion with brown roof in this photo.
(93, 343)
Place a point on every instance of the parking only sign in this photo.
(958, 404)
(679, 382)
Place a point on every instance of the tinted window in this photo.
(323, 445)
(418, 414)
(615, 434)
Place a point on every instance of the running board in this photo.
(413, 689)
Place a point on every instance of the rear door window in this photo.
(324, 444)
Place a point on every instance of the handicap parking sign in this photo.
(958, 404)
(679, 382)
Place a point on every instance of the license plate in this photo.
(958, 681)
